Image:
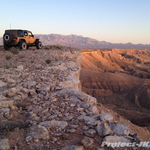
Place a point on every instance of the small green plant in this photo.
(48, 61)
(8, 57)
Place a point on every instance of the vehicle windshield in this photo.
(30, 34)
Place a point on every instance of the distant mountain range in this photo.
(83, 42)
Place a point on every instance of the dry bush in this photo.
(8, 65)
(14, 50)
(53, 47)
(48, 61)
(8, 57)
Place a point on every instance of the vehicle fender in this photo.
(37, 40)
(22, 40)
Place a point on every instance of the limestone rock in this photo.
(68, 118)
(28, 138)
(4, 144)
(52, 99)
(93, 109)
(115, 139)
(89, 120)
(20, 67)
(70, 82)
(90, 133)
(54, 124)
(32, 92)
(86, 98)
(2, 84)
(71, 130)
(103, 129)
(120, 129)
(87, 142)
(3, 97)
(106, 117)
(73, 147)
(6, 103)
(29, 84)
(38, 132)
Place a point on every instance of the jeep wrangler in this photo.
(20, 38)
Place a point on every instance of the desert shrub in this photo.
(8, 65)
(56, 59)
(8, 57)
(53, 47)
(14, 50)
(48, 61)
(1, 47)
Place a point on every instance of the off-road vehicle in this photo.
(20, 38)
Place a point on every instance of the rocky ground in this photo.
(42, 107)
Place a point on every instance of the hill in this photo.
(83, 42)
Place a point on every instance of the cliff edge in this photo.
(42, 106)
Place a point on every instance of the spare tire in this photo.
(7, 37)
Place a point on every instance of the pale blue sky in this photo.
(117, 21)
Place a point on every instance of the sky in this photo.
(116, 21)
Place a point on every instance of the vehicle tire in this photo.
(27, 47)
(23, 45)
(7, 38)
(6, 47)
(39, 45)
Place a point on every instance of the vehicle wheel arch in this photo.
(22, 40)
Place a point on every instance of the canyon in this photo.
(119, 79)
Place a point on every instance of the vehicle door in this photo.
(26, 37)
(31, 37)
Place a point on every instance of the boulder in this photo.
(120, 129)
(38, 132)
(103, 129)
(93, 109)
(106, 117)
(90, 133)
